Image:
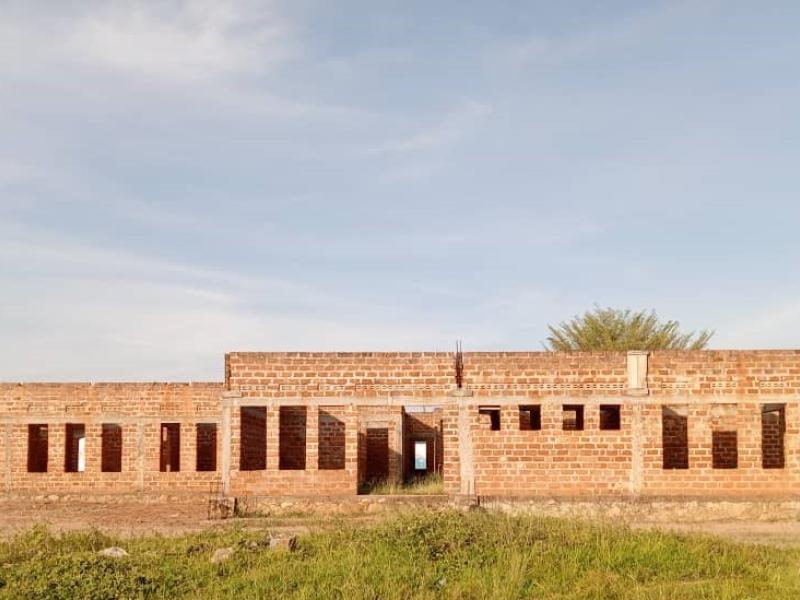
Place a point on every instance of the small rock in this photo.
(222, 554)
(287, 543)
(113, 552)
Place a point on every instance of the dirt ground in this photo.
(774, 533)
(176, 519)
(124, 519)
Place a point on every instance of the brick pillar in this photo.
(226, 448)
(56, 447)
(748, 430)
(9, 462)
(791, 438)
(451, 467)
(140, 454)
(552, 418)
(700, 437)
(312, 438)
(94, 447)
(351, 446)
(273, 437)
(509, 417)
(396, 448)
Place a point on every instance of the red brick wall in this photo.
(701, 479)
(423, 374)
(313, 480)
(751, 373)
(721, 393)
(139, 408)
(332, 439)
(292, 443)
(550, 461)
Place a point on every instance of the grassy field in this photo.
(426, 485)
(431, 555)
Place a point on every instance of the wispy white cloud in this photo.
(185, 40)
(78, 311)
(451, 128)
(182, 178)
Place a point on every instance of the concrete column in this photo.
(465, 449)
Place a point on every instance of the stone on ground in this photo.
(287, 542)
(222, 554)
(113, 552)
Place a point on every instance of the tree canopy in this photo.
(608, 329)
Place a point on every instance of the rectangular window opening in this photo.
(74, 448)
(292, 438)
(111, 451)
(331, 441)
(206, 447)
(724, 450)
(572, 417)
(37, 448)
(490, 417)
(530, 417)
(609, 416)
(674, 438)
(773, 427)
(170, 447)
(253, 455)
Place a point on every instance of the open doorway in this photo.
(377, 454)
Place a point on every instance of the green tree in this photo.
(623, 329)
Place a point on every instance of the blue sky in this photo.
(182, 179)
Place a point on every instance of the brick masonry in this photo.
(724, 423)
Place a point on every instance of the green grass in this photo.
(430, 555)
(429, 484)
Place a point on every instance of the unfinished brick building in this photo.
(718, 424)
